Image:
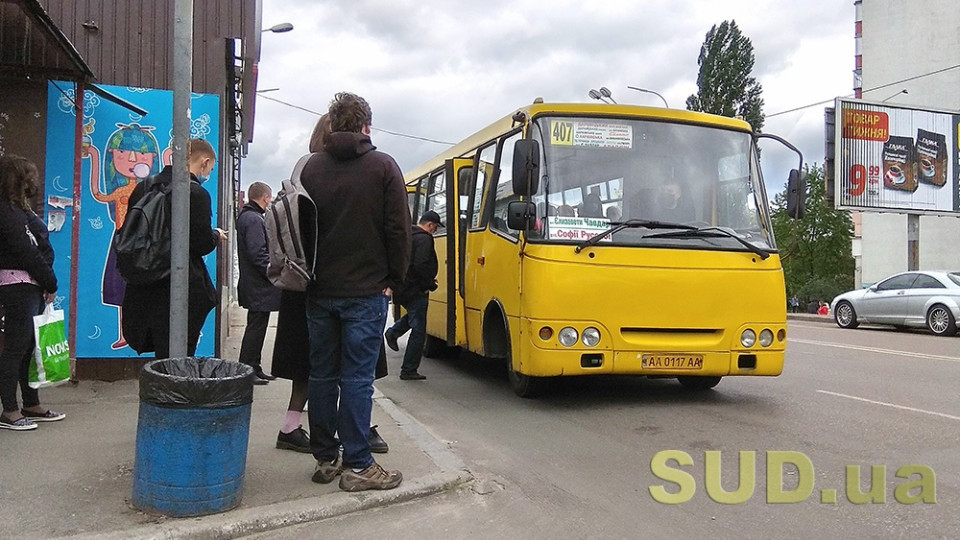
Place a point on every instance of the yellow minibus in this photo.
(588, 239)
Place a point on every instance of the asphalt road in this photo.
(577, 463)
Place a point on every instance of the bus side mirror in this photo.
(796, 195)
(526, 167)
(521, 215)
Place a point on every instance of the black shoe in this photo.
(297, 440)
(391, 340)
(377, 444)
(260, 382)
(412, 376)
(261, 375)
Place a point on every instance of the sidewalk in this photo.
(810, 317)
(74, 477)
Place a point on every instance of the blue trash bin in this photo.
(192, 436)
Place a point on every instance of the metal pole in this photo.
(638, 89)
(180, 207)
(913, 242)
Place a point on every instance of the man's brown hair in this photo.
(199, 149)
(18, 180)
(349, 112)
(257, 190)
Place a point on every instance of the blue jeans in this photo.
(345, 340)
(415, 320)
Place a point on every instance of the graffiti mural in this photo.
(119, 149)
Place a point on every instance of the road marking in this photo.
(893, 405)
(875, 350)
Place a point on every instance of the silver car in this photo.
(909, 299)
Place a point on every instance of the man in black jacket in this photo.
(414, 295)
(146, 308)
(254, 290)
(363, 226)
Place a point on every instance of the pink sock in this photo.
(291, 421)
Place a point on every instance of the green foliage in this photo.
(816, 250)
(724, 82)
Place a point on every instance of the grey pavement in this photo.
(74, 478)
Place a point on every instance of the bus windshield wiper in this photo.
(712, 231)
(631, 223)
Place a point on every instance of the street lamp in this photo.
(603, 93)
(650, 92)
(279, 28)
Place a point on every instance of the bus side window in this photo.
(412, 199)
(484, 173)
(504, 193)
(437, 198)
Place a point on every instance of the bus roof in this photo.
(506, 123)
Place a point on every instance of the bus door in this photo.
(458, 172)
(491, 264)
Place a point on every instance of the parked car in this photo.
(908, 299)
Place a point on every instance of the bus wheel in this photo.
(526, 386)
(698, 383)
(435, 347)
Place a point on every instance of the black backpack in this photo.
(142, 244)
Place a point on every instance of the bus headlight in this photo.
(591, 337)
(568, 337)
(748, 338)
(766, 338)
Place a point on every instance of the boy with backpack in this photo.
(146, 303)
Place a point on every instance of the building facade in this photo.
(906, 53)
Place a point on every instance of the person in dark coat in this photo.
(363, 247)
(146, 308)
(27, 283)
(254, 290)
(414, 295)
(291, 350)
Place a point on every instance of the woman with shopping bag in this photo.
(27, 284)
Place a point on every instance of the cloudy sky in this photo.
(441, 69)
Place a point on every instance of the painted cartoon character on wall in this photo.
(131, 154)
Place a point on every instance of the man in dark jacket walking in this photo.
(414, 295)
(146, 308)
(254, 290)
(363, 239)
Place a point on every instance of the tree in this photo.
(724, 82)
(816, 250)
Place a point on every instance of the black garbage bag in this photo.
(196, 383)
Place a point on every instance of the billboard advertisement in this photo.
(893, 158)
(119, 149)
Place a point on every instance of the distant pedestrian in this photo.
(824, 309)
(363, 247)
(27, 283)
(146, 308)
(414, 296)
(254, 290)
(291, 352)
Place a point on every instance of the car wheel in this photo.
(845, 316)
(698, 383)
(526, 386)
(940, 321)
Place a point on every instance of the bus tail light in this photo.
(591, 337)
(546, 333)
(748, 338)
(766, 337)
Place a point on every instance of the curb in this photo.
(822, 319)
(257, 519)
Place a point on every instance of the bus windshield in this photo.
(597, 172)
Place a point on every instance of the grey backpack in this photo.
(291, 221)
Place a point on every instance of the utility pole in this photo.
(180, 206)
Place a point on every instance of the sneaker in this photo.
(326, 471)
(391, 340)
(49, 416)
(412, 376)
(377, 444)
(22, 424)
(373, 477)
(297, 440)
